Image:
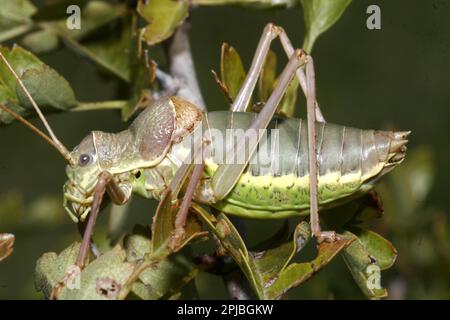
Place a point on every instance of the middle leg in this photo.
(270, 33)
(227, 174)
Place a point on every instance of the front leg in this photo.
(118, 194)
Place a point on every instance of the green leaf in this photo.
(51, 268)
(94, 16)
(248, 3)
(266, 81)
(297, 273)
(161, 279)
(41, 41)
(47, 87)
(102, 279)
(232, 243)
(142, 76)
(319, 16)
(6, 245)
(231, 70)
(117, 219)
(15, 18)
(165, 279)
(21, 60)
(287, 105)
(163, 17)
(366, 257)
(15, 13)
(111, 53)
(163, 225)
(131, 267)
(138, 244)
(270, 272)
(165, 239)
(273, 261)
(56, 9)
(380, 249)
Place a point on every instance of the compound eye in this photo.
(84, 160)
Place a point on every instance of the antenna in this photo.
(53, 140)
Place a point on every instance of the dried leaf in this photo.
(6, 245)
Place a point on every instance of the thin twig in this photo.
(102, 105)
(182, 67)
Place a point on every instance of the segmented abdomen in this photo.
(276, 182)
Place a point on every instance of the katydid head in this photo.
(143, 145)
(82, 178)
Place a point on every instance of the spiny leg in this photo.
(245, 92)
(289, 49)
(82, 229)
(106, 182)
(313, 163)
(270, 32)
(197, 173)
(228, 174)
(307, 83)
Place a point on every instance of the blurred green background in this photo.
(393, 78)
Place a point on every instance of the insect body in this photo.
(309, 164)
(145, 158)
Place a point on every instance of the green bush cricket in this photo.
(318, 164)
